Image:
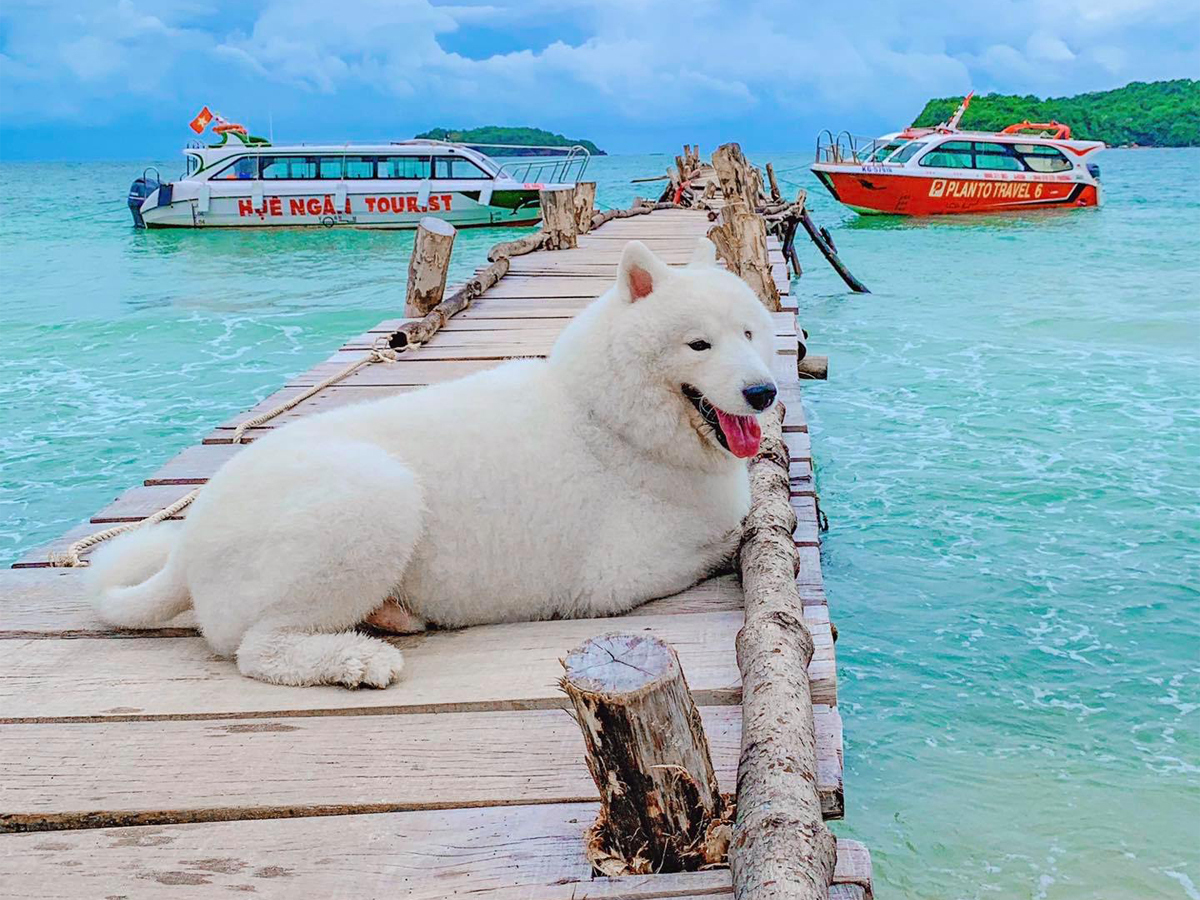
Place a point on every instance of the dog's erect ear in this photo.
(640, 273)
(704, 256)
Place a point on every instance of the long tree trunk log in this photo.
(519, 247)
(558, 218)
(585, 206)
(661, 808)
(428, 266)
(741, 241)
(781, 847)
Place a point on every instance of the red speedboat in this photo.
(932, 171)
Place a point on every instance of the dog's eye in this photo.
(700, 345)
(749, 336)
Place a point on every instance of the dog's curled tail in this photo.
(136, 581)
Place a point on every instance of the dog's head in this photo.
(687, 353)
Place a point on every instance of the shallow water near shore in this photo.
(1007, 451)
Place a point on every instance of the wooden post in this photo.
(428, 266)
(831, 255)
(558, 218)
(781, 847)
(661, 809)
(757, 194)
(776, 195)
(734, 174)
(585, 203)
(741, 241)
(812, 368)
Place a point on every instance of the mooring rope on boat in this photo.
(70, 558)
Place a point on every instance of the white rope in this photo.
(378, 353)
(70, 558)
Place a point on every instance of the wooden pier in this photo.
(137, 764)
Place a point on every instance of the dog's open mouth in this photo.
(740, 435)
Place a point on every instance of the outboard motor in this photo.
(139, 191)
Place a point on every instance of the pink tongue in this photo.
(741, 433)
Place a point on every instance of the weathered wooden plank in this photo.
(49, 602)
(54, 603)
(806, 532)
(514, 666)
(191, 771)
(494, 853)
(193, 466)
(411, 372)
(785, 323)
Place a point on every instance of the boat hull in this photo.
(208, 206)
(871, 190)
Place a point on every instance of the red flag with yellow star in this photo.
(201, 121)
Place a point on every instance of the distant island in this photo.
(1158, 114)
(496, 134)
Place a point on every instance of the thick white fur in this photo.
(577, 486)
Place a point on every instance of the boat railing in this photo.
(845, 148)
(566, 168)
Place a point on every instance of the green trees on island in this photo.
(1158, 114)
(497, 134)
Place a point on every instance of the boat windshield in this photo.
(906, 152)
(885, 151)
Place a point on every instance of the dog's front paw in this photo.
(376, 665)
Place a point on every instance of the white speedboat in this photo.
(245, 181)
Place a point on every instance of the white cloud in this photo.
(627, 63)
(1045, 47)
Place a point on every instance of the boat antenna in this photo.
(952, 125)
(270, 127)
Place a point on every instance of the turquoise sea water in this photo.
(1007, 451)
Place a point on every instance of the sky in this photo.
(120, 79)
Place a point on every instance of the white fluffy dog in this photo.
(609, 474)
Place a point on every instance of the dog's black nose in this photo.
(759, 396)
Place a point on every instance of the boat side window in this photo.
(907, 152)
(997, 156)
(276, 168)
(950, 155)
(360, 167)
(412, 167)
(457, 167)
(1043, 158)
(240, 169)
(329, 167)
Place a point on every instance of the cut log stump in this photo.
(585, 206)
(558, 218)
(661, 809)
(428, 266)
